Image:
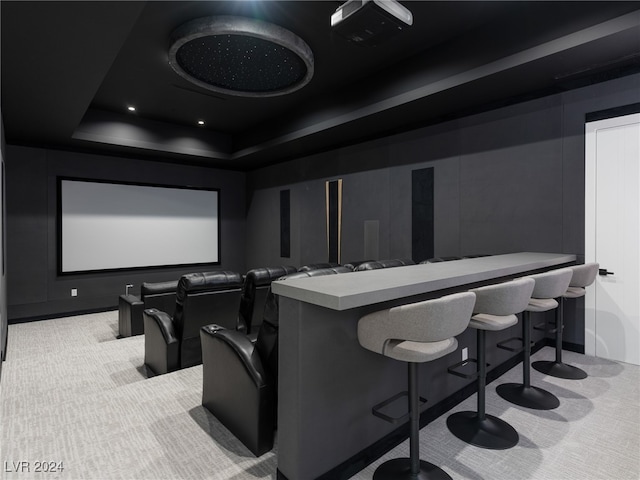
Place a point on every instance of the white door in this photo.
(612, 238)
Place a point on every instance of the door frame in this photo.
(591, 128)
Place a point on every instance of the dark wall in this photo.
(507, 180)
(34, 287)
(3, 253)
(497, 189)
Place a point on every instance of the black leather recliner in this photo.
(254, 294)
(354, 265)
(240, 378)
(160, 295)
(440, 259)
(375, 265)
(172, 343)
(317, 266)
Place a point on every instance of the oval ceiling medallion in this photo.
(240, 56)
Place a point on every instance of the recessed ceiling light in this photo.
(131, 108)
(200, 122)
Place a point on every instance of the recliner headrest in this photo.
(317, 266)
(209, 281)
(264, 276)
(354, 265)
(440, 259)
(398, 262)
(317, 273)
(155, 288)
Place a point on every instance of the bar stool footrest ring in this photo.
(543, 327)
(456, 369)
(377, 409)
(504, 344)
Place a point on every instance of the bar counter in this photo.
(328, 383)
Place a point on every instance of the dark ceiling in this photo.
(70, 69)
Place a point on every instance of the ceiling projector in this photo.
(369, 22)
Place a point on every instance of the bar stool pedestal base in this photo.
(491, 432)
(530, 397)
(400, 469)
(559, 370)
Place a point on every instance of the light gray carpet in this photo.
(72, 393)
(593, 435)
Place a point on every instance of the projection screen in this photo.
(113, 226)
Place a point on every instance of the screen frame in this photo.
(60, 272)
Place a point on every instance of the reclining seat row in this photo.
(375, 265)
(173, 342)
(160, 295)
(240, 378)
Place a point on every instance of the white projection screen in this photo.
(113, 226)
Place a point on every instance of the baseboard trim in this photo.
(365, 457)
(13, 321)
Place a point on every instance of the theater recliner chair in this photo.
(254, 294)
(172, 343)
(160, 295)
(240, 379)
(317, 266)
(377, 264)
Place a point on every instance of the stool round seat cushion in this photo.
(575, 292)
(395, 332)
(484, 321)
(541, 305)
(418, 352)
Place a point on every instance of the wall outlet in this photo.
(74, 292)
(465, 353)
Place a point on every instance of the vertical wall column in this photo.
(285, 223)
(422, 214)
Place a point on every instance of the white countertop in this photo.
(356, 289)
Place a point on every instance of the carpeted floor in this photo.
(72, 393)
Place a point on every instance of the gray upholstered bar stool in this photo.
(549, 286)
(496, 309)
(583, 276)
(415, 333)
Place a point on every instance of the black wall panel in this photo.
(334, 219)
(27, 226)
(285, 223)
(422, 197)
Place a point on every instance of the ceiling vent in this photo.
(370, 22)
(240, 56)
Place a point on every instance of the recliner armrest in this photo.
(243, 347)
(164, 323)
